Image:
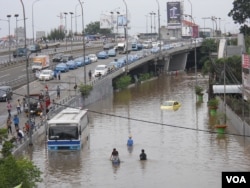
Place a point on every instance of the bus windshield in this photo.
(63, 132)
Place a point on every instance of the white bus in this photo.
(68, 130)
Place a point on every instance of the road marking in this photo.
(4, 75)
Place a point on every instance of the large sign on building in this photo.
(174, 13)
(246, 76)
(105, 21)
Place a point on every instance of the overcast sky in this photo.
(47, 13)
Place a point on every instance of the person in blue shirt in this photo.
(16, 121)
(130, 141)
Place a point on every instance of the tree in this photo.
(241, 14)
(15, 172)
(93, 28)
(56, 34)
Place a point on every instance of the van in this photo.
(6, 93)
(34, 48)
(19, 52)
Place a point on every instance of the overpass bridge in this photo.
(174, 59)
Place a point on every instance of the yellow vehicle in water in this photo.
(170, 105)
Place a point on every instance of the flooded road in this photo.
(181, 153)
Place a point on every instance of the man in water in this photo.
(143, 155)
(114, 155)
(130, 141)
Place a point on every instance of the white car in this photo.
(93, 58)
(100, 70)
(46, 75)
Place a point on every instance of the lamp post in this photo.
(83, 43)
(33, 20)
(159, 23)
(71, 14)
(65, 28)
(126, 34)
(76, 16)
(8, 16)
(146, 23)
(27, 74)
(151, 13)
(117, 33)
(16, 15)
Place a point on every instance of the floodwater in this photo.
(181, 153)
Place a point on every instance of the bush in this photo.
(123, 82)
(213, 102)
(198, 90)
(145, 76)
(85, 89)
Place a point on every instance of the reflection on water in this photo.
(179, 155)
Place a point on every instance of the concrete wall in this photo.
(240, 126)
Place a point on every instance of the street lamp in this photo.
(71, 14)
(126, 34)
(146, 23)
(159, 24)
(76, 16)
(16, 15)
(8, 16)
(151, 14)
(83, 43)
(27, 75)
(33, 20)
(65, 28)
(118, 13)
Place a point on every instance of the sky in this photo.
(46, 13)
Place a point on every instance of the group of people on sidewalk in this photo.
(115, 154)
(20, 133)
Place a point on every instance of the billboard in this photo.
(174, 13)
(105, 21)
(122, 20)
(246, 76)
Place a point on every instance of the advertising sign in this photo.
(174, 13)
(105, 21)
(122, 20)
(246, 75)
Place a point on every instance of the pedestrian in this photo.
(114, 156)
(16, 121)
(20, 135)
(59, 75)
(130, 141)
(8, 123)
(90, 75)
(55, 74)
(9, 107)
(58, 92)
(18, 106)
(46, 88)
(143, 155)
(24, 101)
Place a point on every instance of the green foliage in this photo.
(93, 28)
(240, 12)
(85, 89)
(7, 147)
(3, 134)
(56, 34)
(145, 76)
(198, 90)
(123, 82)
(213, 102)
(14, 172)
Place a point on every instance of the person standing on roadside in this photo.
(90, 75)
(9, 107)
(18, 106)
(16, 121)
(8, 123)
(58, 92)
